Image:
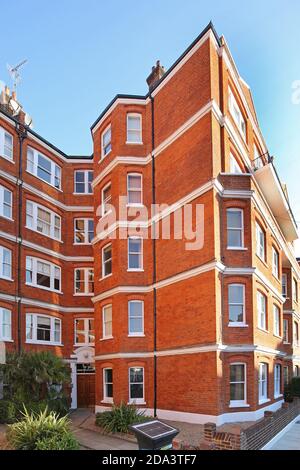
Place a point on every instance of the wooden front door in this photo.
(85, 390)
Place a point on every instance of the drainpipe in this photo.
(154, 262)
(22, 134)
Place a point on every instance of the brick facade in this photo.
(187, 345)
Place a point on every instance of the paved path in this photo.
(93, 440)
(290, 440)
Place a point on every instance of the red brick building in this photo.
(206, 334)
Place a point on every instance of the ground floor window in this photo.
(136, 384)
(108, 385)
(5, 324)
(263, 382)
(277, 380)
(286, 375)
(237, 384)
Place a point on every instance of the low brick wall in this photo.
(256, 436)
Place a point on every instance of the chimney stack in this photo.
(155, 75)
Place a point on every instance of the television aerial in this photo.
(14, 72)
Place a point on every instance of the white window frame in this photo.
(105, 201)
(2, 336)
(295, 333)
(104, 322)
(296, 371)
(141, 253)
(86, 332)
(286, 375)
(137, 401)
(34, 216)
(54, 165)
(107, 399)
(259, 296)
(52, 341)
(234, 167)
(103, 154)
(85, 282)
(276, 321)
(34, 261)
(3, 189)
(104, 262)
(243, 322)
(262, 398)
(260, 249)
(140, 190)
(284, 285)
(237, 114)
(86, 230)
(3, 145)
(258, 161)
(239, 403)
(277, 381)
(140, 130)
(9, 252)
(294, 289)
(285, 331)
(139, 333)
(85, 182)
(241, 229)
(275, 262)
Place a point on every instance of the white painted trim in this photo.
(118, 101)
(194, 350)
(278, 436)
(119, 160)
(198, 418)
(45, 305)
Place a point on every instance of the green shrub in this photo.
(36, 428)
(119, 418)
(8, 412)
(58, 442)
(295, 386)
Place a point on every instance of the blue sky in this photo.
(82, 52)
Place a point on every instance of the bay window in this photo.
(42, 274)
(135, 254)
(43, 220)
(235, 228)
(106, 142)
(108, 385)
(83, 181)
(107, 322)
(276, 320)
(277, 380)
(83, 231)
(106, 260)
(43, 168)
(236, 304)
(106, 199)
(263, 382)
(84, 281)
(275, 262)
(261, 311)
(42, 329)
(236, 113)
(134, 189)
(5, 263)
(6, 144)
(260, 242)
(134, 128)
(135, 317)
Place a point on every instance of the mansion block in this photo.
(195, 335)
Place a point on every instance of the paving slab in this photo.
(289, 440)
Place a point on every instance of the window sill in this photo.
(135, 270)
(136, 402)
(278, 396)
(262, 260)
(140, 335)
(238, 405)
(84, 295)
(105, 277)
(82, 194)
(263, 401)
(134, 143)
(106, 338)
(237, 248)
(44, 288)
(286, 342)
(6, 218)
(277, 336)
(104, 156)
(44, 343)
(107, 401)
(263, 330)
(79, 345)
(7, 278)
(82, 244)
(237, 325)
(8, 159)
(44, 234)
(7, 340)
(138, 205)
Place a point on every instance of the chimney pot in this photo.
(155, 75)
